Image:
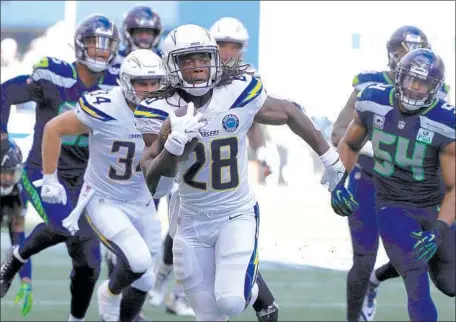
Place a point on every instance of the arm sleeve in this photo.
(14, 91)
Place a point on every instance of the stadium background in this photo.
(308, 51)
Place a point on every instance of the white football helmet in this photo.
(231, 30)
(189, 39)
(139, 64)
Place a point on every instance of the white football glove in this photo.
(184, 129)
(334, 169)
(52, 191)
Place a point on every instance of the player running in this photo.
(362, 281)
(14, 208)
(114, 197)
(216, 242)
(413, 138)
(56, 86)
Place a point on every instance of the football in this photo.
(165, 130)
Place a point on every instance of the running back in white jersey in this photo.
(214, 178)
(115, 146)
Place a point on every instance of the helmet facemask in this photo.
(97, 52)
(398, 49)
(142, 37)
(147, 85)
(195, 70)
(415, 89)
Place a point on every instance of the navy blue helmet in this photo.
(402, 41)
(419, 76)
(141, 28)
(96, 42)
(11, 166)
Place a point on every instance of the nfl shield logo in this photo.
(401, 125)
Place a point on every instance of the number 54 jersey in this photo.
(214, 178)
(406, 147)
(115, 145)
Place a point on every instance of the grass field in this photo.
(303, 294)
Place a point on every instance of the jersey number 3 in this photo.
(127, 161)
(217, 165)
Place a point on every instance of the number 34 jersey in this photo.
(406, 147)
(214, 179)
(115, 146)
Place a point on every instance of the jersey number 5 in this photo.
(386, 167)
(217, 165)
(127, 161)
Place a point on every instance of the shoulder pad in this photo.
(365, 79)
(56, 66)
(153, 108)
(245, 89)
(99, 104)
(443, 113)
(377, 98)
(56, 71)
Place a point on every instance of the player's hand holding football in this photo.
(428, 241)
(52, 191)
(184, 129)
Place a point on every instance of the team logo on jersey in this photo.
(401, 125)
(230, 123)
(425, 136)
(379, 121)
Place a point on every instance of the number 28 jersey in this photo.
(214, 179)
(115, 146)
(406, 147)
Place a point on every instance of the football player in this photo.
(216, 241)
(413, 137)
(114, 197)
(56, 86)
(362, 281)
(141, 29)
(14, 208)
(232, 39)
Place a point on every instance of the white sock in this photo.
(73, 319)
(18, 257)
(373, 278)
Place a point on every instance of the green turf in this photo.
(302, 294)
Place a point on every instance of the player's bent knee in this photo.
(231, 305)
(146, 282)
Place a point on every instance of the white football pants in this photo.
(132, 228)
(216, 262)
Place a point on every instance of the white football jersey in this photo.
(115, 146)
(214, 178)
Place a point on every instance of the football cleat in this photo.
(8, 270)
(269, 314)
(177, 304)
(370, 303)
(108, 304)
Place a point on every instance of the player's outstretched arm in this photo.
(344, 119)
(64, 124)
(279, 112)
(448, 165)
(13, 91)
(354, 139)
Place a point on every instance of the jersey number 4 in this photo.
(217, 165)
(127, 160)
(386, 167)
